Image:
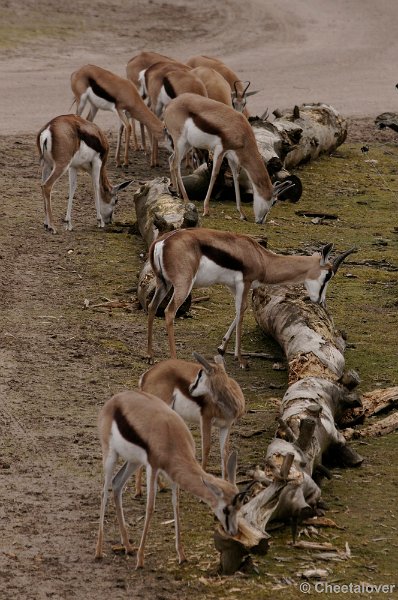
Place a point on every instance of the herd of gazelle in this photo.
(200, 104)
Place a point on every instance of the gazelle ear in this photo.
(252, 93)
(121, 186)
(325, 253)
(213, 488)
(218, 359)
(232, 464)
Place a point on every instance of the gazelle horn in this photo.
(202, 361)
(339, 259)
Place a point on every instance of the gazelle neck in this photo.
(285, 269)
(189, 476)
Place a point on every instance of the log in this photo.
(323, 130)
(387, 119)
(381, 427)
(159, 211)
(304, 330)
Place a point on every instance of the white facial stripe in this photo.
(316, 288)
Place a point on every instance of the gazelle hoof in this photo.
(221, 350)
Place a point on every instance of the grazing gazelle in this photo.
(162, 82)
(200, 393)
(107, 91)
(216, 86)
(188, 258)
(136, 65)
(238, 88)
(194, 121)
(143, 430)
(69, 143)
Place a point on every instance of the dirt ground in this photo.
(61, 361)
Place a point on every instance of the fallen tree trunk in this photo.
(159, 211)
(387, 119)
(294, 137)
(307, 430)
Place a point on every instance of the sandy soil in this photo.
(61, 362)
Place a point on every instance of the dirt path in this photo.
(60, 362)
(292, 52)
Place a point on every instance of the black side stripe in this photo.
(128, 432)
(99, 91)
(169, 88)
(222, 258)
(92, 142)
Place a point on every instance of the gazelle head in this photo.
(261, 207)
(110, 199)
(239, 99)
(202, 386)
(227, 499)
(319, 276)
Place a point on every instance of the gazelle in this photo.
(216, 86)
(69, 143)
(238, 88)
(162, 82)
(200, 393)
(143, 430)
(135, 66)
(107, 91)
(194, 121)
(188, 258)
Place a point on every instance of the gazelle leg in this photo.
(127, 132)
(95, 177)
(109, 465)
(173, 175)
(160, 293)
(179, 153)
(138, 482)
(47, 186)
(150, 506)
(235, 174)
(205, 429)
(179, 296)
(92, 113)
(118, 483)
(222, 347)
(72, 190)
(217, 161)
(143, 137)
(176, 510)
(119, 144)
(241, 305)
(224, 449)
(134, 132)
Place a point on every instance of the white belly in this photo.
(84, 157)
(209, 273)
(99, 102)
(186, 408)
(125, 449)
(198, 138)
